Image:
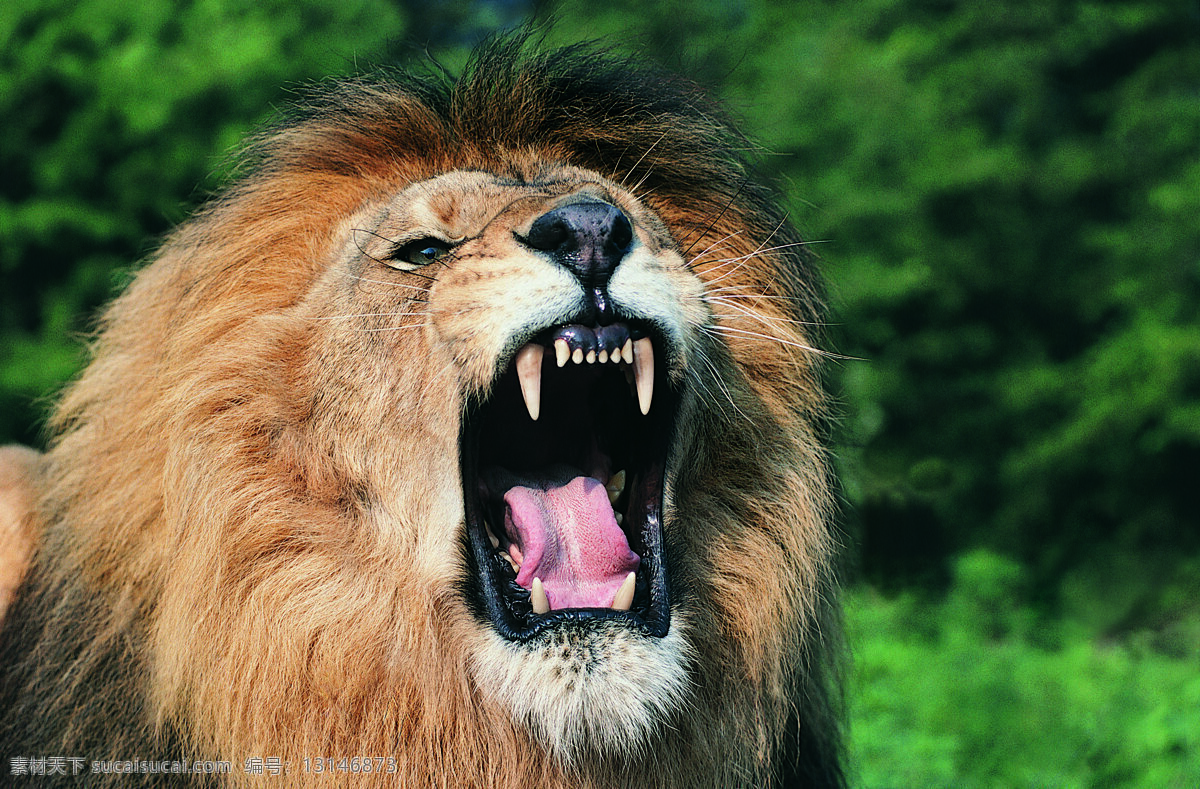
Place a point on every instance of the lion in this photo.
(474, 437)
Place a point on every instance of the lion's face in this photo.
(558, 318)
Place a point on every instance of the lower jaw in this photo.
(496, 598)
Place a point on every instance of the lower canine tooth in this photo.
(624, 597)
(529, 372)
(615, 485)
(537, 597)
(643, 372)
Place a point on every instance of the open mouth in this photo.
(562, 470)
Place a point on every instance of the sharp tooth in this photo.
(577, 355)
(615, 356)
(491, 537)
(643, 370)
(615, 485)
(627, 351)
(624, 597)
(619, 518)
(537, 596)
(562, 351)
(529, 371)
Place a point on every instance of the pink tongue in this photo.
(569, 538)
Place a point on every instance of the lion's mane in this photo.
(224, 569)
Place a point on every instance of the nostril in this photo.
(550, 233)
(621, 234)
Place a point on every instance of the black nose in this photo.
(589, 238)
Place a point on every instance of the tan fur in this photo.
(255, 485)
(17, 490)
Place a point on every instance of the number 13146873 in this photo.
(352, 764)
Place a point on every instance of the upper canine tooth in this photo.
(643, 370)
(624, 597)
(529, 371)
(562, 351)
(537, 597)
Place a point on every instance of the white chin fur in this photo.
(603, 691)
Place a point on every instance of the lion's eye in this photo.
(421, 251)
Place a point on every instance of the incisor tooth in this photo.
(537, 596)
(616, 484)
(529, 371)
(577, 355)
(562, 351)
(643, 371)
(624, 597)
(591, 357)
(602, 357)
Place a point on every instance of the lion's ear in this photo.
(18, 472)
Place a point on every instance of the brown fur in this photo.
(250, 506)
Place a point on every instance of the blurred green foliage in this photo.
(117, 118)
(1006, 198)
(973, 692)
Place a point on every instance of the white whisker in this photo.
(720, 241)
(732, 331)
(720, 382)
(392, 328)
(422, 288)
(368, 315)
(645, 153)
(759, 251)
(729, 302)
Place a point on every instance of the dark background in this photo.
(1006, 198)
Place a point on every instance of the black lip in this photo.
(489, 585)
